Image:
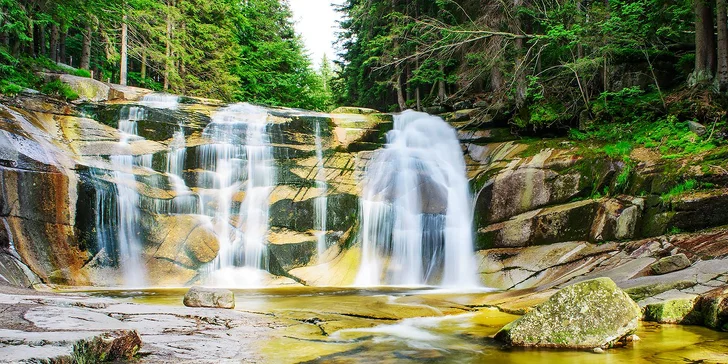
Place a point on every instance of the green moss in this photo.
(673, 312)
(678, 190)
(82, 73)
(58, 88)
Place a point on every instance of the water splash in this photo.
(320, 204)
(238, 160)
(416, 208)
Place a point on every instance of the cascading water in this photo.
(416, 212)
(320, 204)
(128, 246)
(118, 231)
(239, 159)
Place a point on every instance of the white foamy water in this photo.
(320, 204)
(239, 161)
(119, 231)
(416, 212)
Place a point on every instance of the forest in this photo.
(539, 64)
(553, 65)
(229, 50)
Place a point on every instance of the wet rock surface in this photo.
(39, 326)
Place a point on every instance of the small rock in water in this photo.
(670, 264)
(209, 297)
(598, 351)
(585, 315)
(115, 346)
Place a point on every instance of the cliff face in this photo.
(541, 215)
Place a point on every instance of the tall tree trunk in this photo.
(441, 87)
(36, 40)
(400, 94)
(168, 48)
(496, 79)
(417, 88)
(62, 46)
(54, 42)
(520, 64)
(144, 64)
(704, 43)
(722, 20)
(86, 48)
(42, 33)
(124, 41)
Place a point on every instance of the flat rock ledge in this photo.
(587, 315)
(209, 297)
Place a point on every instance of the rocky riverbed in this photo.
(292, 325)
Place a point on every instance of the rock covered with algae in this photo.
(589, 314)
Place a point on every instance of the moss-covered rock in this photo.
(589, 314)
(115, 346)
(714, 309)
(675, 311)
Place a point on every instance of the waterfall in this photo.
(118, 231)
(416, 212)
(320, 204)
(128, 245)
(238, 161)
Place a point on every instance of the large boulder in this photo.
(87, 89)
(209, 297)
(589, 314)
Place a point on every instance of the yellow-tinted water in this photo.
(391, 325)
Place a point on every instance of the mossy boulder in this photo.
(675, 311)
(588, 314)
(714, 308)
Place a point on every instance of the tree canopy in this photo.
(231, 50)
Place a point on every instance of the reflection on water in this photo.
(395, 325)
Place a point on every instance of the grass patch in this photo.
(82, 73)
(678, 190)
(668, 135)
(60, 89)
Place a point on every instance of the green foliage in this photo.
(58, 88)
(82, 73)
(619, 149)
(678, 190)
(226, 49)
